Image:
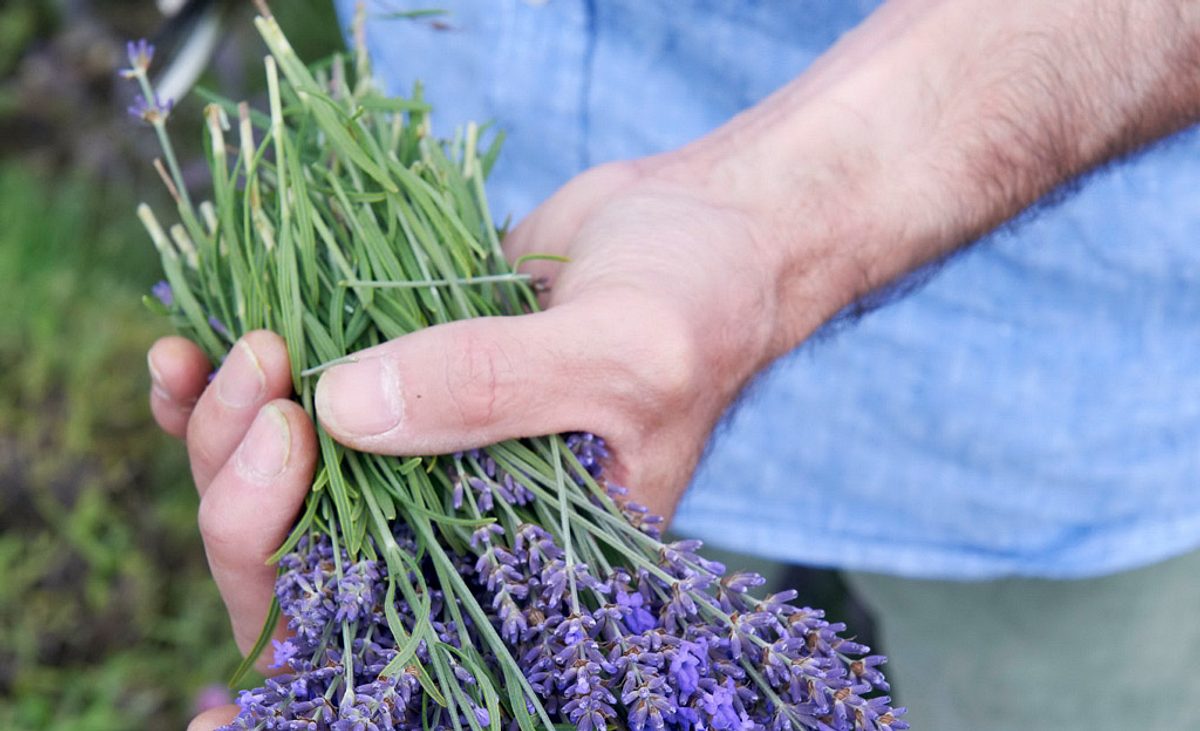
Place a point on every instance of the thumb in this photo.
(471, 383)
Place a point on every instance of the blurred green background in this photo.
(108, 619)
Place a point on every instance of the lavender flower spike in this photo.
(153, 111)
(140, 53)
(219, 327)
(162, 291)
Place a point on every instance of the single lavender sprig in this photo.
(148, 107)
(140, 54)
(162, 292)
(152, 111)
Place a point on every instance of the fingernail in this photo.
(241, 381)
(361, 399)
(264, 452)
(156, 380)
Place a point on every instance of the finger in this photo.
(213, 718)
(178, 374)
(249, 508)
(255, 372)
(477, 382)
(434, 390)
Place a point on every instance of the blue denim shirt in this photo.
(1033, 410)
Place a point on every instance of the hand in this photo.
(252, 453)
(663, 313)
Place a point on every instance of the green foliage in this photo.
(20, 22)
(107, 617)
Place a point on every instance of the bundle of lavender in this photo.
(512, 587)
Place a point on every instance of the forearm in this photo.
(932, 123)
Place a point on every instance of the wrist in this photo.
(810, 194)
(925, 128)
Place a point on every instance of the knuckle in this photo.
(475, 368)
(220, 539)
(601, 181)
(203, 451)
(616, 173)
(665, 364)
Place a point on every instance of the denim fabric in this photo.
(1033, 410)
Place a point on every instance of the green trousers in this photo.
(1117, 652)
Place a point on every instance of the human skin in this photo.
(925, 127)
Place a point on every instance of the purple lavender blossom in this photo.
(644, 652)
(284, 652)
(140, 54)
(356, 592)
(219, 327)
(719, 706)
(637, 617)
(686, 665)
(590, 450)
(152, 111)
(162, 291)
